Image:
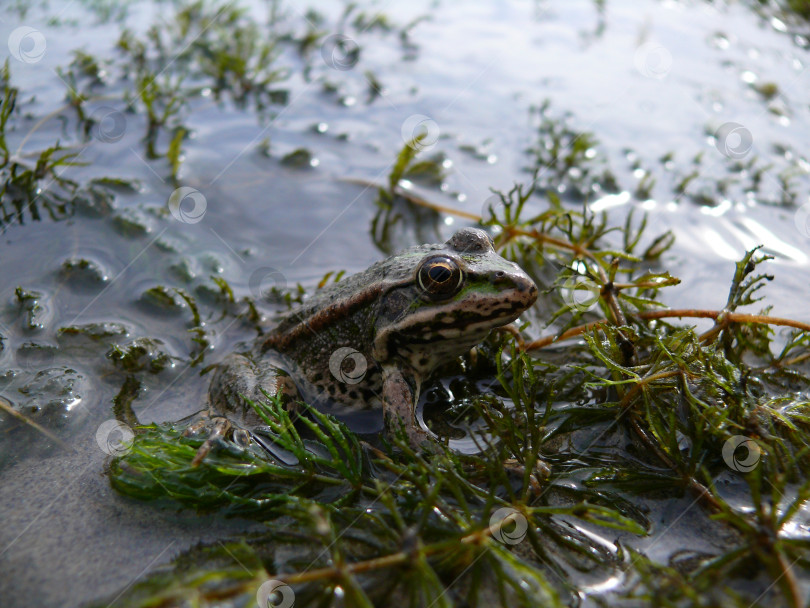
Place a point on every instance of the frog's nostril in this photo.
(499, 279)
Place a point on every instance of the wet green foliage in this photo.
(393, 203)
(142, 354)
(31, 305)
(32, 185)
(565, 159)
(358, 503)
(579, 452)
(586, 448)
(298, 159)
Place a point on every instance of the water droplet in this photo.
(720, 41)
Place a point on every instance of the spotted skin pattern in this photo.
(405, 316)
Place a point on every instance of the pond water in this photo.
(700, 111)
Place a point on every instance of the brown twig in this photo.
(791, 585)
(702, 491)
(414, 198)
(649, 315)
(583, 252)
(566, 335)
(474, 538)
(5, 405)
(510, 231)
(730, 317)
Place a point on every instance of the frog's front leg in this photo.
(238, 377)
(215, 428)
(399, 406)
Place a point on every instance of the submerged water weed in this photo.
(593, 445)
(33, 185)
(369, 513)
(593, 438)
(393, 199)
(201, 51)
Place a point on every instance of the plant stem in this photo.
(5, 405)
(510, 231)
(648, 315)
(474, 538)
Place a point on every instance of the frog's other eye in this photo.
(439, 277)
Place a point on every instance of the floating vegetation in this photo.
(612, 428)
(575, 457)
(141, 354)
(565, 160)
(33, 185)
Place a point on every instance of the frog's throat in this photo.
(450, 341)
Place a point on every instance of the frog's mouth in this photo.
(469, 328)
(476, 328)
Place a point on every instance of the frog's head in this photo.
(452, 297)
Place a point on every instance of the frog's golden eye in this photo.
(439, 277)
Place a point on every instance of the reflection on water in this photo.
(694, 112)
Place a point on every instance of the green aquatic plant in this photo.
(565, 159)
(393, 200)
(33, 185)
(602, 418)
(579, 444)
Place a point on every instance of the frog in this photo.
(371, 340)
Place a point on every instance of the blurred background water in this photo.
(697, 113)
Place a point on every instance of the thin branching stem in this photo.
(478, 537)
(703, 493)
(510, 231)
(648, 315)
(730, 317)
